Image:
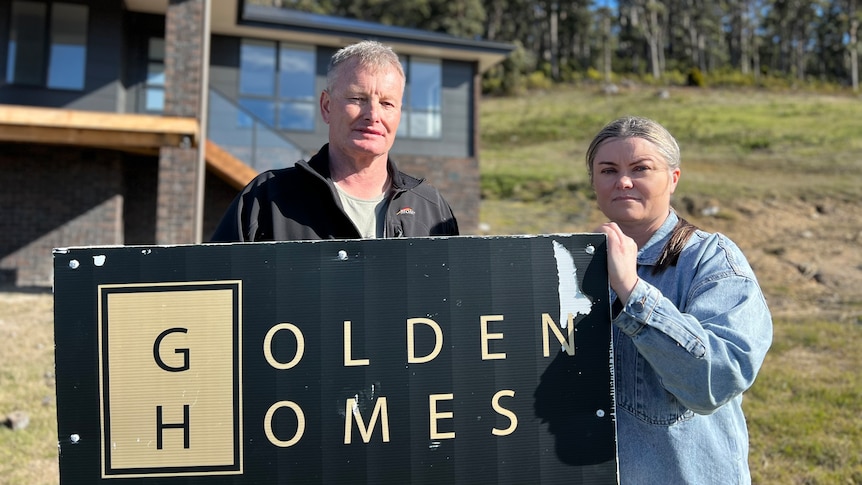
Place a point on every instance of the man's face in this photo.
(363, 110)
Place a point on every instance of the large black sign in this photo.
(468, 360)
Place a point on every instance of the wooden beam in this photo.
(89, 128)
(227, 167)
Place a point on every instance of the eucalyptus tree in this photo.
(563, 27)
(646, 20)
(603, 21)
(694, 34)
(845, 29)
(789, 27)
(576, 43)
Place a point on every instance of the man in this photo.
(350, 189)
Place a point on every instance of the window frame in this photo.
(267, 101)
(411, 111)
(154, 60)
(51, 66)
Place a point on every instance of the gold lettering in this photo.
(435, 416)
(351, 410)
(411, 344)
(513, 419)
(548, 322)
(267, 346)
(300, 423)
(484, 319)
(348, 358)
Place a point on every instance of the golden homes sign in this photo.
(432, 360)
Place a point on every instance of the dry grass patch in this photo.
(28, 456)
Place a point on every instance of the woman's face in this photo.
(632, 181)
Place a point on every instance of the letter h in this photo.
(161, 426)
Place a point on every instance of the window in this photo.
(154, 86)
(47, 45)
(421, 114)
(276, 84)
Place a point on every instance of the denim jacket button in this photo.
(638, 306)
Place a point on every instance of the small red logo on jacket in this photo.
(405, 210)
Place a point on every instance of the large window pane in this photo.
(68, 57)
(155, 74)
(425, 80)
(296, 71)
(425, 124)
(154, 99)
(425, 84)
(154, 86)
(263, 110)
(296, 116)
(257, 68)
(26, 56)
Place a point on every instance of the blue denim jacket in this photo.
(687, 344)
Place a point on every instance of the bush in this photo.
(538, 80)
(695, 78)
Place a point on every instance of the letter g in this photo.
(183, 352)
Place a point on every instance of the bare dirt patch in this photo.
(806, 254)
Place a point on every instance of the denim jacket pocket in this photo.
(639, 390)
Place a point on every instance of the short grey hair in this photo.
(637, 127)
(369, 54)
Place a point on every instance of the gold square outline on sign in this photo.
(235, 468)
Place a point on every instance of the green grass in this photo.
(761, 140)
(804, 410)
(28, 456)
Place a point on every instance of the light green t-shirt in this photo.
(367, 215)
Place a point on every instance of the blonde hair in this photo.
(637, 127)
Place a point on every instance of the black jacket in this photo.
(301, 203)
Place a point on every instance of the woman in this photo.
(690, 327)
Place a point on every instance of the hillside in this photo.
(806, 254)
(777, 177)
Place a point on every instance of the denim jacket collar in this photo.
(649, 254)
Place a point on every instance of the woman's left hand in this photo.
(622, 261)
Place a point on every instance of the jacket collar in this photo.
(319, 163)
(649, 254)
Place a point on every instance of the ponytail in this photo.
(680, 235)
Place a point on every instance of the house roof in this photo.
(237, 18)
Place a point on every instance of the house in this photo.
(115, 130)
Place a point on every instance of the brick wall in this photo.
(55, 196)
(178, 166)
(175, 199)
(456, 178)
